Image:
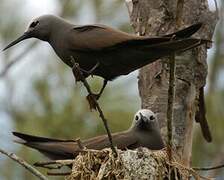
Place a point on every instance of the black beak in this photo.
(142, 123)
(21, 38)
(143, 118)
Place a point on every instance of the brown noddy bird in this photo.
(103, 51)
(144, 132)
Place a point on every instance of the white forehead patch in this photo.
(27, 28)
(146, 112)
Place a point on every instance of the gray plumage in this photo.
(144, 132)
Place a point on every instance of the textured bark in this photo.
(157, 17)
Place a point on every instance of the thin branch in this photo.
(216, 9)
(58, 173)
(179, 12)
(24, 164)
(50, 167)
(208, 168)
(58, 164)
(79, 142)
(171, 90)
(82, 78)
(171, 95)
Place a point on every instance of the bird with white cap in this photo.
(144, 132)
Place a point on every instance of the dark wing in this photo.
(100, 37)
(186, 32)
(27, 137)
(52, 148)
(122, 140)
(96, 37)
(68, 149)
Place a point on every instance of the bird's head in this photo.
(145, 119)
(40, 28)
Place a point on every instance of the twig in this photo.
(208, 168)
(191, 170)
(171, 95)
(179, 12)
(79, 142)
(171, 90)
(216, 9)
(59, 163)
(58, 173)
(24, 164)
(59, 166)
(17, 59)
(82, 78)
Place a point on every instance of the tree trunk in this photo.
(158, 17)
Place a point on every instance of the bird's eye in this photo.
(151, 118)
(136, 118)
(33, 24)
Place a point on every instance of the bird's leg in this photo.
(90, 72)
(83, 71)
(101, 90)
(97, 96)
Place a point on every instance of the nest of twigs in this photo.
(131, 164)
(141, 163)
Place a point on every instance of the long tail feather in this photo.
(186, 32)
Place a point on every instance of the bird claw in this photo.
(85, 73)
(77, 75)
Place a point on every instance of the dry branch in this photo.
(77, 72)
(171, 89)
(56, 164)
(24, 164)
(171, 96)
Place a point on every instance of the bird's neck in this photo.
(60, 29)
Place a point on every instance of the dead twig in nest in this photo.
(58, 173)
(27, 166)
(57, 164)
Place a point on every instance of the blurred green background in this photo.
(38, 95)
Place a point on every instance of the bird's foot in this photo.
(84, 72)
(76, 70)
(77, 74)
(92, 98)
(90, 72)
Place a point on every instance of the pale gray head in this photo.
(146, 120)
(40, 28)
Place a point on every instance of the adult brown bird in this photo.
(144, 132)
(103, 51)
